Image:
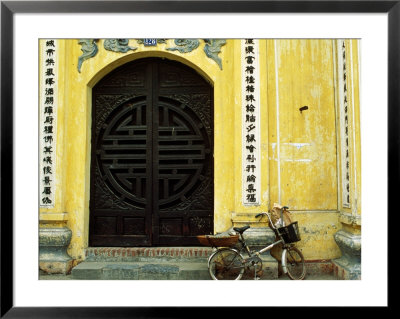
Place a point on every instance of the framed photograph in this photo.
(95, 144)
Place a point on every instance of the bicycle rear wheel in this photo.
(295, 264)
(226, 264)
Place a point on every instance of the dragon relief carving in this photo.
(185, 45)
(118, 45)
(89, 49)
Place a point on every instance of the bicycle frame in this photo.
(253, 258)
(269, 247)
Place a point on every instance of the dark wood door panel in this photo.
(152, 163)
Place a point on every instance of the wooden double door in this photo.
(152, 156)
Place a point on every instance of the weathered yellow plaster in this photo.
(304, 175)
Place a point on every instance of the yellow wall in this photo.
(305, 173)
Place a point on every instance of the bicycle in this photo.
(227, 263)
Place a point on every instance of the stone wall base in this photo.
(53, 244)
(344, 271)
(348, 267)
(56, 267)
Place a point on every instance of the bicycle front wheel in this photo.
(296, 268)
(226, 264)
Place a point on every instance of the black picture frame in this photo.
(9, 8)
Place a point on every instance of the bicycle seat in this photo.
(241, 230)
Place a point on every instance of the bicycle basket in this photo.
(290, 233)
(218, 241)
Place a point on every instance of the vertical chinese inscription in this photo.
(47, 118)
(250, 122)
(344, 123)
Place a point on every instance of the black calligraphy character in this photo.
(250, 79)
(251, 198)
(250, 117)
(249, 69)
(48, 149)
(251, 148)
(50, 52)
(250, 127)
(251, 178)
(49, 119)
(250, 88)
(249, 41)
(251, 158)
(49, 91)
(250, 138)
(47, 180)
(251, 188)
(250, 108)
(48, 110)
(50, 62)
(47, 190)
(47, 170)
(249, 59)
(48, 160)
(50, 43)
(49, 100)
(48, 139)
(49, 81)
(250, 98)
(46, 200)
(249, 49)
(49, 72)
(48, 129)
(250, 168)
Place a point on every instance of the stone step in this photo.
(157, 269)
(140, 271)
(151, 254)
